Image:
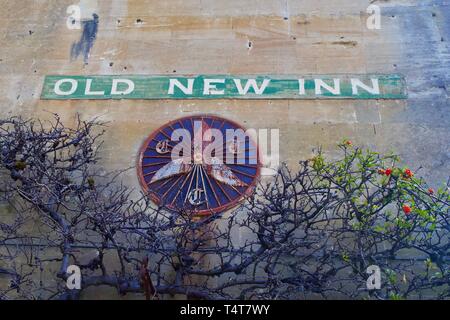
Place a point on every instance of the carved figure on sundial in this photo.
(195, 164)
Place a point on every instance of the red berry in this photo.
(430, 191)
(348, 142)
(388, 171)
(408, 173)
(406, 209)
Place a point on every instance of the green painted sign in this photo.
(372, 86)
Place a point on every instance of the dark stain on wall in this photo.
(84, 46)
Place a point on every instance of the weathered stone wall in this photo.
(243, 37)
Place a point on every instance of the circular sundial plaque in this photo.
(200, 164)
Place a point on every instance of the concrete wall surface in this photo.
(243, 37)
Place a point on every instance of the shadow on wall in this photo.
(84, 46)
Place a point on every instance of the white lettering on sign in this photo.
(301, 86)
(210, 86)
(251, 83)
(90, 92)
(185, 89)
(356, 83)
(73, 88)
(115, 85)
(225, 87)
(319, 83)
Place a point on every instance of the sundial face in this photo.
(199, 164)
